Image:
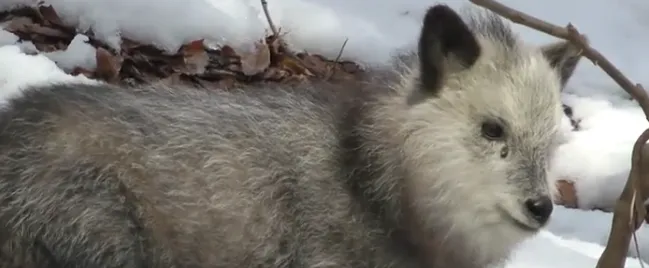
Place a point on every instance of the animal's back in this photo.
(444, 167)
(213, 179)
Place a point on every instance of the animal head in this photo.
(482, 114)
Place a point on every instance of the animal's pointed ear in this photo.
(444, 38)
(563, 56)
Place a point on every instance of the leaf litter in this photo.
(195, 63)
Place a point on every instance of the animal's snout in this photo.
(540, 208)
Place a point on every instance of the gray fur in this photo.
(317, 176)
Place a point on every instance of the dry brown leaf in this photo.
(315, 63)
(295, 79)
(294, 66)
(350, 67)
(256, 61)
(127, 45)
(193, 47)
(195, 64)
(25, 26)
(46, 47)
(50, 15)
(108, 65)
(19, 25)
(194, 58)
(223, 56)
(83, 71)
(228, 51)
(137, 73)
(338, 74)
(49, 32)
(275, 74)
(139, 63)
(567, 194)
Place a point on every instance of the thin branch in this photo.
(287, 51)
(571, 34)
(637, 248)
(636, 189)
(273, 29)
(622, 229)
(340, 53)
(264, 5)
(333, 66)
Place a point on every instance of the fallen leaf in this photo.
(130, 71)
(256, 61)
(46, 47)
(295, 79)
(275, 74)
(195, 58)
(154, 65)
(19, 25)
(50, 15)
(78, 70)
(26, 28)
(228, 51)
(293, 65)
(350, 67)
(50, 32)
(336, 73)
(127, 46)
(315, 63)
(192, 47)
(108, 65)
(135, 63)
(567, 194)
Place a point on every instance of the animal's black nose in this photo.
(540, 208)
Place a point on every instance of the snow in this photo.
(41, 70)
(596, 158)
(78, 54)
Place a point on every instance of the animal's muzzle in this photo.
(540, 208)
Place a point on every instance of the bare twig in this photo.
(340, 53)
(264, 5)
(622, 229)
(571, 34)
(287, 51)
(637, 248)
(630, 203)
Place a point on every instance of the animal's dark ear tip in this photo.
(439, 13)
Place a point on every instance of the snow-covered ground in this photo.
(597, 157)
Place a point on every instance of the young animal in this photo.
(443, 168)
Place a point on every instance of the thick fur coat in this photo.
(444, 166)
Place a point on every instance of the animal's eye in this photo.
(492, 130)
